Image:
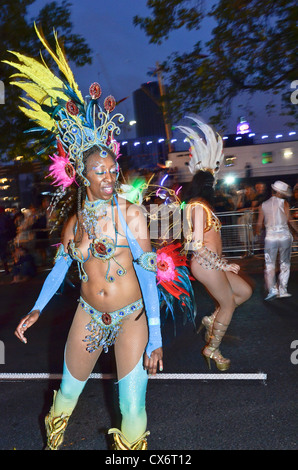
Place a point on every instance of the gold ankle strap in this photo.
(121, 443)
(221, 324)
(218, 331)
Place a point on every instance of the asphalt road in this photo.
(185, 413)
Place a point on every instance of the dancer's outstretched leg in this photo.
(229, 290)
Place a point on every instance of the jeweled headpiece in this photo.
(206, 147)
(63, 115)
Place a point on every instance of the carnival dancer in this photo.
(203, 240)
(119, 299)
(275, 214)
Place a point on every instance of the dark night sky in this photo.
(122, 56)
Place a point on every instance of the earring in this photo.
(117, 186)
(79, 199)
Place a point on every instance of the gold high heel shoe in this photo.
(207, 322)
(218, 332)
(221, 362)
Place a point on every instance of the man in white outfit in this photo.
(275, 214)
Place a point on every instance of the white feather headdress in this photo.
(206, 150)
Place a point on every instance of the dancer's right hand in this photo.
(25, 323)
(234, 268)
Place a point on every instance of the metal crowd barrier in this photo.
(237, 233)
(239, 236)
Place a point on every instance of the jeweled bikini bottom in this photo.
(104, 327)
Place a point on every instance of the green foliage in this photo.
(252, 49)
(169, 15)
(17, 34)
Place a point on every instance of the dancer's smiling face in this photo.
(102, 174)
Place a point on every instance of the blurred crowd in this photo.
(24, 240)
(247, 197)
(27, 238)
(228, 197)
(244, 203)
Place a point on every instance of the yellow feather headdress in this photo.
(60, 112)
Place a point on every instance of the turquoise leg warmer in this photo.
(132, 401)
(68, 394)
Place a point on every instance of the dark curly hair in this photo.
(202, 187)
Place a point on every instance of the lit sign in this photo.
(229, 160)
(266, 158)
(243, 127)
(288, 153)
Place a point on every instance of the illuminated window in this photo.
(229, 160)
(287, 153)
(266, 158)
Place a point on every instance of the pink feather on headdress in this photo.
(117, 149)
(61, 170)
(115, 144)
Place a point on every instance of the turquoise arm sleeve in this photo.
(147, 281)
(148, 285)
(52, 282)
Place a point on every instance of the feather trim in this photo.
(206, 146)
(175, 288)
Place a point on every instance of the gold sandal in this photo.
(121, 443)
(221, 362)
(218, 332)
(207, 322)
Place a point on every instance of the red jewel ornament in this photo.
(72, 108)
(69, 170)
(162, 265)
(109, 103)
(100, 248)
(95, 91)
(106, 318)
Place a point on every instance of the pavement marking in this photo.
(159, 376)
(218, 376)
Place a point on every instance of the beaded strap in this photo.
(210, 260)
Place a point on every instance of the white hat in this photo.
(282, 188)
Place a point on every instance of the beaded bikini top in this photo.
(100, 247)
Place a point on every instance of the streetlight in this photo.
(230, 179)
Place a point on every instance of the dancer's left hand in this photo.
(234, 268)
(154, 362)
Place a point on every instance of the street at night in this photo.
(148, 223)
(237, 410)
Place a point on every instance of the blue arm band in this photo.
(52, 282)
